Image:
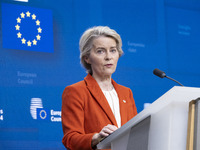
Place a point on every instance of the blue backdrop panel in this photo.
(155, 33)
(183, 28)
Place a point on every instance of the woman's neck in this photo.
(104, 82)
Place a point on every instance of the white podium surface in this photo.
(168, 126)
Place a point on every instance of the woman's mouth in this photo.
(109, 65)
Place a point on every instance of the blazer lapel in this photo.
(95, 90)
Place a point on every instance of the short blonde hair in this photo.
(86, 42)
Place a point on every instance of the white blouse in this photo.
(113, 101)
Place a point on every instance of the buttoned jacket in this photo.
(85, 111)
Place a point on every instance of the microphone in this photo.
(162, 74)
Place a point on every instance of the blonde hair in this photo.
(86, 42)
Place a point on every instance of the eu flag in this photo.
(27, 28)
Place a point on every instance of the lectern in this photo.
(160, 126)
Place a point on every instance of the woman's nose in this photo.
(108, 56)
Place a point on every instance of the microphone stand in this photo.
(174, 80)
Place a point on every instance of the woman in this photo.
(95, 107)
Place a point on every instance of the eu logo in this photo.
(27, 28)
(43, 114)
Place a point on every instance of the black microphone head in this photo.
(159, 73)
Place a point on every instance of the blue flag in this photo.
(27, 28)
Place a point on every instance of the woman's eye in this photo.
(100, 51)
(113, 50)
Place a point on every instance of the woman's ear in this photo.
(87, 60)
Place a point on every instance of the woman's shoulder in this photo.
(76, 86)
(121, 87)
(75, 92)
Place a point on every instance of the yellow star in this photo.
(28, 14)
(18, 20)
(39, 30)
(33, 16)
(38, 37)
(22, 15)
(38, 22)
(17, 27)
(34, 42)
(29, 43)
(19, 35)
(23, 41)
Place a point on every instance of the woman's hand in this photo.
(107, 130)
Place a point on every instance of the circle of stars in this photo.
(20, 35)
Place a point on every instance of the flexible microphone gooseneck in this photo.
(162, 74)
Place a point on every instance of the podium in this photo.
(160, 126)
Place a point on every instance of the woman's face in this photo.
(103, 56)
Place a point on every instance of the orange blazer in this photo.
(85, 111)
